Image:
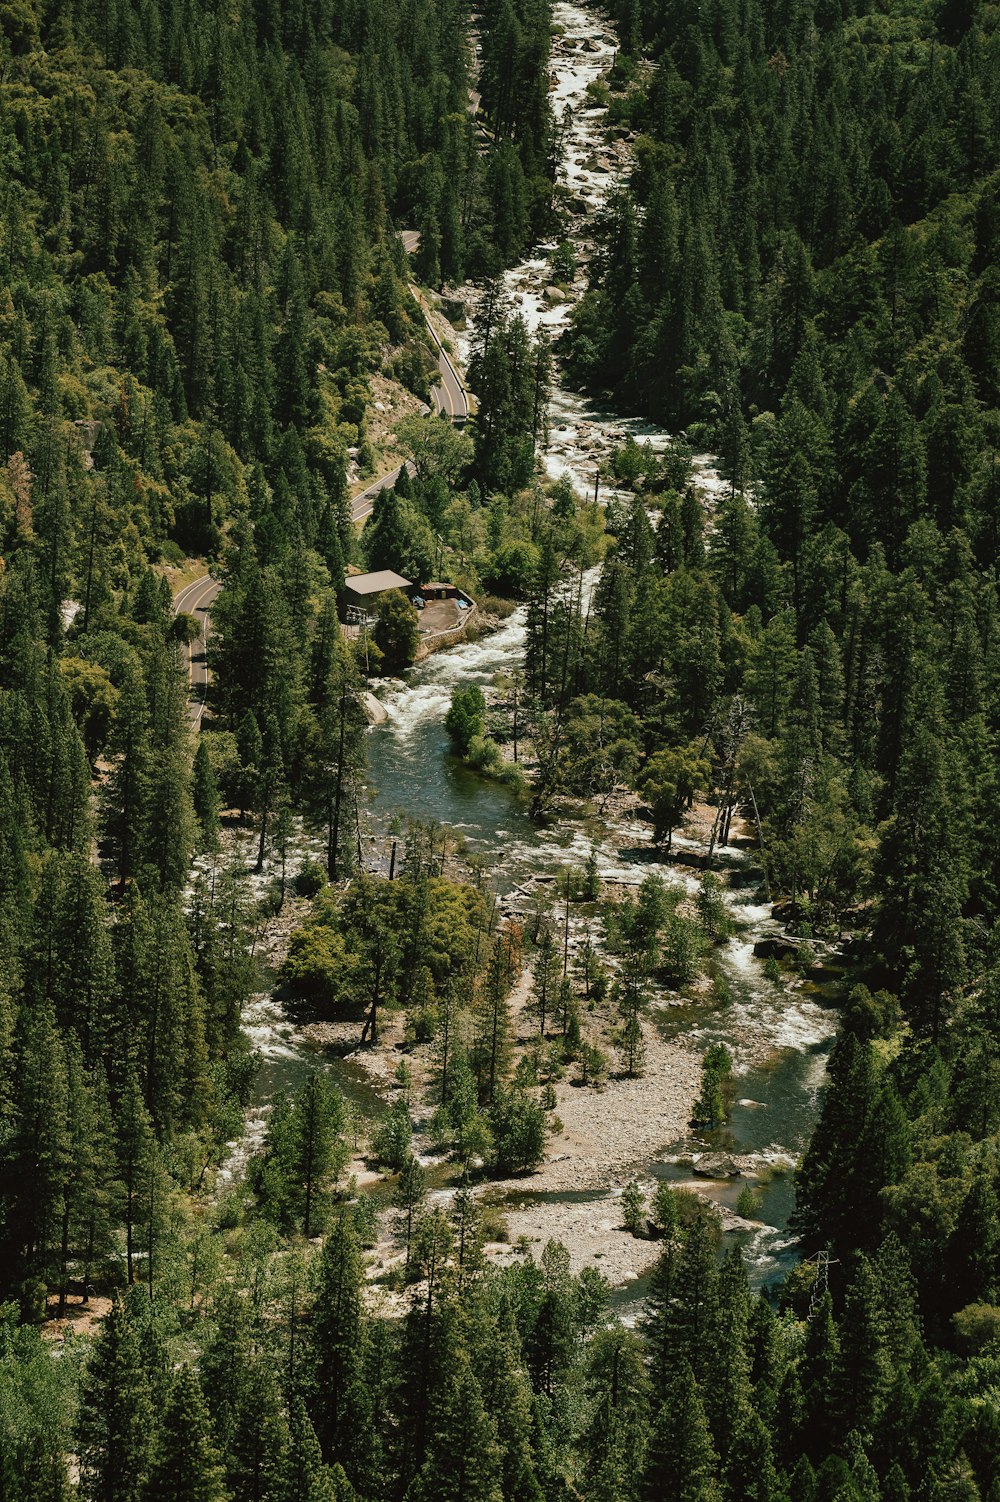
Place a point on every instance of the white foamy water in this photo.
(408, 756)
(427, 695)
(582, 433)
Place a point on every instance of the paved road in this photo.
(363, 504)
(449, 397)
(196, 599)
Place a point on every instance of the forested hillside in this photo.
(802, 268)
(201, 254)
(202, 284)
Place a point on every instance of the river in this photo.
(779, 1031)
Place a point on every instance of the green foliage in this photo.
(600, 748)
(486, 757)
(186, 1466)
(309, 879)
(392, 1136)
(466, 717)
(118, 1409)
(509, 372)
(670, 781)
(201, 277)
(716, 1069)
(713, 913)
(748, 1203)
(634, 1208)
(396, 631)
(517, 1125)
(316, 965)
(305, 1152)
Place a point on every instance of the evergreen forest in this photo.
(212, 346)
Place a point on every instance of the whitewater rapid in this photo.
(778, 1031)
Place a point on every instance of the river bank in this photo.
(777, 1027)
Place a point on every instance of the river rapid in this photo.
(778, 1030)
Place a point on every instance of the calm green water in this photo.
(412, 774)
(777, 1101)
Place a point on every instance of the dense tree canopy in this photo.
(201, 282)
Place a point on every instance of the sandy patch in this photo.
(609, 1132)
(592, 1233)
(79, 1318)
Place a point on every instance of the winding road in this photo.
(449, 397)
(363, 504)
(197, 599)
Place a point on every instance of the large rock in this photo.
(777, 948)
(786, 911)
(716, 1166)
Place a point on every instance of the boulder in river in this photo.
(716, 1166)
(776, 947)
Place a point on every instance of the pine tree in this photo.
(186, 1466)
(751, 1472)
(84, 1222)
(545, 977)
(255, 1461)
(681, 1465)
(335, 757)
(493, 1026)
(971, 1258)
(694, 1310)
(304, 1476)
(37, 1156)
(128, 785)
(137, 1155)
(225, 1362)
(464, 1460)
(79, 959)
(613, 1445)
(338, 1396)
(205, 796)
(319, 1148)
(728, 1391)
(117, 1423)
(411, 1195)
(818, 1370)
(494, 1353)
(269, 783)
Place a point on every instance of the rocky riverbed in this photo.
(777, 1027)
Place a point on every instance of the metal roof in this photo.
(374, 584)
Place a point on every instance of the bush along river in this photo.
(777, 1026)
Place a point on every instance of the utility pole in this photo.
(360, 618)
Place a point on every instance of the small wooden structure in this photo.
(440, 591)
